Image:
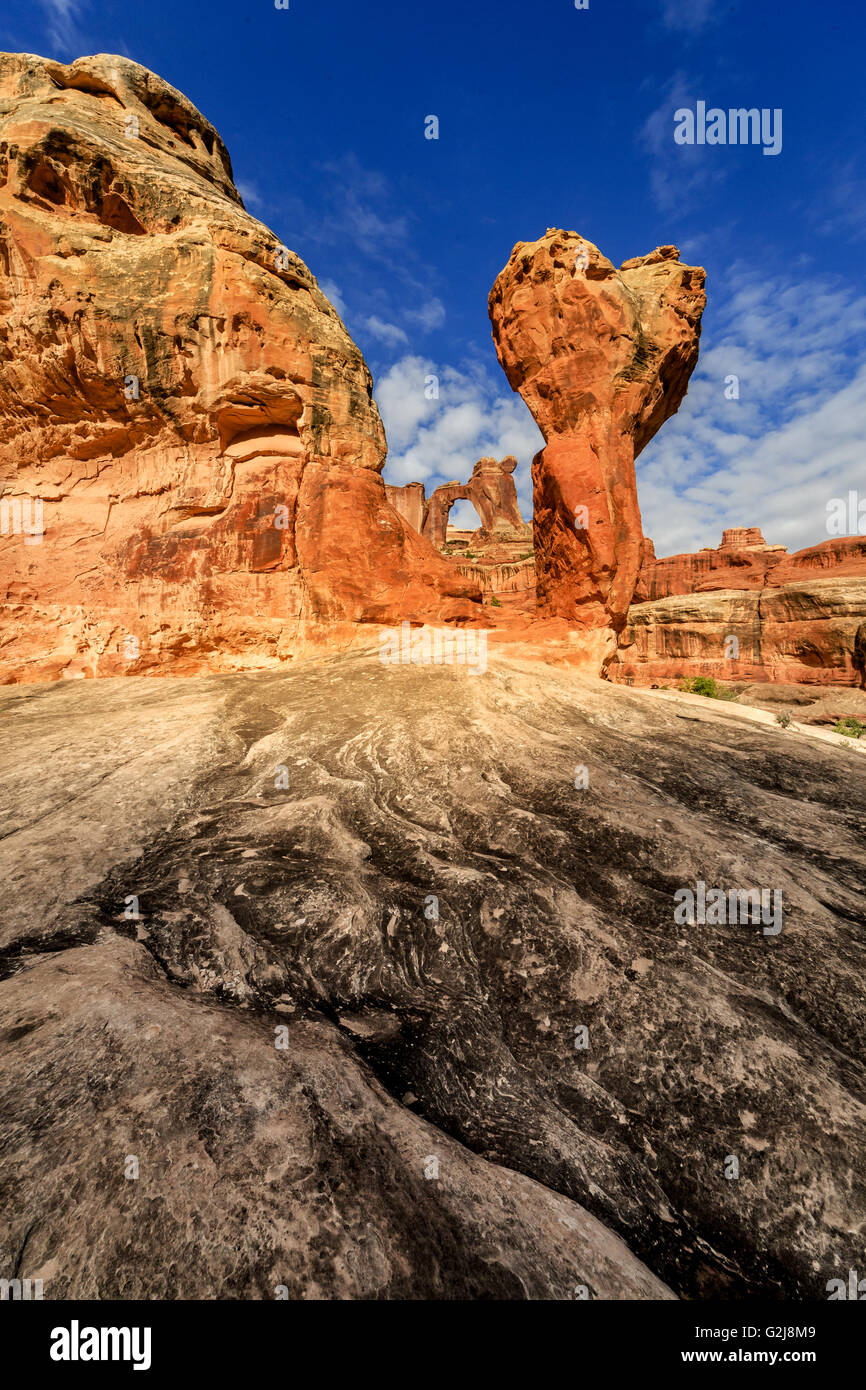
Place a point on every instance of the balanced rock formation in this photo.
(191, 455)
(749, 611)
(602, 358)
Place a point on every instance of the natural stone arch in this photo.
(440, 504)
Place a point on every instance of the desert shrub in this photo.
(495, 602)
(784, 720)
(708, 686)
(850, 727)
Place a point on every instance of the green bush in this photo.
(495, 602)
(706, 685)
(784, 720)
(851, 728)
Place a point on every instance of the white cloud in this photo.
(332, 292)
(792, 441)
(680, 175)
(63, 17)
(464, 516)
(431, 315)
(250, 194)
(387, 333)
(690, 15)
(361, 210)
(435, 441)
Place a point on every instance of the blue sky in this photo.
(551, 116)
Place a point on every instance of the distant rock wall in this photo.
(750, 612)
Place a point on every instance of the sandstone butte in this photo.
(183, 399)
(199, 430)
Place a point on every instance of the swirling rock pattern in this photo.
(396, 865)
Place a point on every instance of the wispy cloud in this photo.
(63, 18)
(430, 315)
(841, 208)
(793, 439)
(388, 333)
(361, 209)
(691, 16)
(333, 292)
(680, 175)
(250, 193)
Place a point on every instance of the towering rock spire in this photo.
(602, 357)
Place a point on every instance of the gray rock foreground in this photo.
(424, 916)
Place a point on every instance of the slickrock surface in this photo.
(602, 358)
(395, 864)
(808, 704)
(181, 397)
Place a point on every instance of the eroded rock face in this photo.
(602, 358)
(494, 497)
(810, 632)
(735, 566)
(409, 501)
(744, 538)
(792, 618)
(433, 912)
(181, 399)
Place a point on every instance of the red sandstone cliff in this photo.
(179, 398)
(191, 455)
(749, 611)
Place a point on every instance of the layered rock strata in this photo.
(191, 455)
(750, 612)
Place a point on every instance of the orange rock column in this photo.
(602, 358)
